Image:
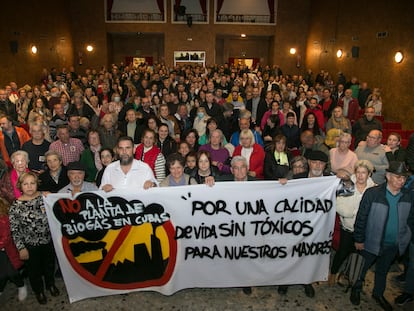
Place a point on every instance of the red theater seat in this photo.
(404, 142)
(392, 125)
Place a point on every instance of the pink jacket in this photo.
(266, 116)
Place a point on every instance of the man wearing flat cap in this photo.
(317, 161)
(381, 229)
(76, 174)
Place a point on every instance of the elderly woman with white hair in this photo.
(347, 209)
(20, 162)
(342, 157)
(253, 152)
(108, 132)
(55, 176)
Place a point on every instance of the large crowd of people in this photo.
(149, 126)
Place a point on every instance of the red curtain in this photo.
(161, 7)
(271, 4)
(219, 6)
(203, 4)
(255, 61)
(176, 6)
(149, 60)
(109, 4)
(129, 60)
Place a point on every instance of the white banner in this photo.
(167, 239)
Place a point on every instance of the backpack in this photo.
(351, 271)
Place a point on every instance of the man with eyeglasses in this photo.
(373, 151)
(382, 231)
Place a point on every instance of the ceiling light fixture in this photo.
(398, 57)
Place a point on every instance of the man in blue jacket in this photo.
(381, 229)
(408, 290)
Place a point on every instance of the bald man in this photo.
(372, 150)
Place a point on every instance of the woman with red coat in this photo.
(148, 152)
(10, 262)
(253, 152)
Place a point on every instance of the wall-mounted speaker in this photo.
(180, 10)
(355, 51)
(14, 46)
(189, 20)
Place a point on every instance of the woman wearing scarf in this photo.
(276, 163)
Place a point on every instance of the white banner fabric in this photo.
(233, 234)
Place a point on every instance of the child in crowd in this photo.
(190, 162)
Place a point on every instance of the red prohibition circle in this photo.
(97, 279)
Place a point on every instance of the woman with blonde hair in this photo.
(338, 121)
(374, 100)
(252, 152)
(347, 209)
(39, 109)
